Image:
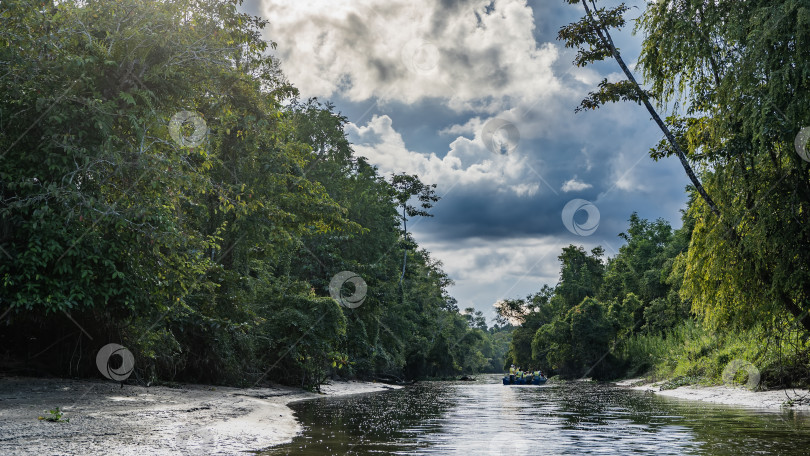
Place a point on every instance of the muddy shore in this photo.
(134, 420)
(797, 399)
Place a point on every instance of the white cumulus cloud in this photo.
(574, 185)
(467, 163)
(476, 55)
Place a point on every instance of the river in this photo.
(485, 417)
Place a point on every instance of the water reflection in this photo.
(486, 417)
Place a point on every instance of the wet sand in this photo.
(728, 395)
(134, 420)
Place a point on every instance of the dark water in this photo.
(487, 418)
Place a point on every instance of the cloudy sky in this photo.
(478, 97)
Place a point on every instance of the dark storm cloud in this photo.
(656, 189)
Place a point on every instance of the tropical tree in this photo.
(739, 72)
(162, 186)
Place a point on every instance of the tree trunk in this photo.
(405, 253)
(788, 303)
(604, 35)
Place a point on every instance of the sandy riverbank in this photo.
(190, 420)
(728, 395)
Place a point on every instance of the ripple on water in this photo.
(485, 417)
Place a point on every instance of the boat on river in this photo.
(520, 381)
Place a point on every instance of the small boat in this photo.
(520, 381)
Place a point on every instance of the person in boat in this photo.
(529, 375)
(512, 374)
(538, 373)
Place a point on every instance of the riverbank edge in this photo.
(106, 418)
(789, 398)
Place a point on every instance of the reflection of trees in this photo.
(364, 423)
(570, 418)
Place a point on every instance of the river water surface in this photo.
(485, 417)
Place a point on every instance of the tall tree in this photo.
(740, 70)
(593, 30)
(406, 187)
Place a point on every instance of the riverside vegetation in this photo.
(734, 281)
(211, 261)
(208, 258)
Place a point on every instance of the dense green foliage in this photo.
(208, 257)
(628, 315)
(746, 93)
(734, 282)
(738, 74)
(574, 328)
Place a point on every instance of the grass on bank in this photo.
(692, 354)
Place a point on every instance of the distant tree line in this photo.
(575, 328)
